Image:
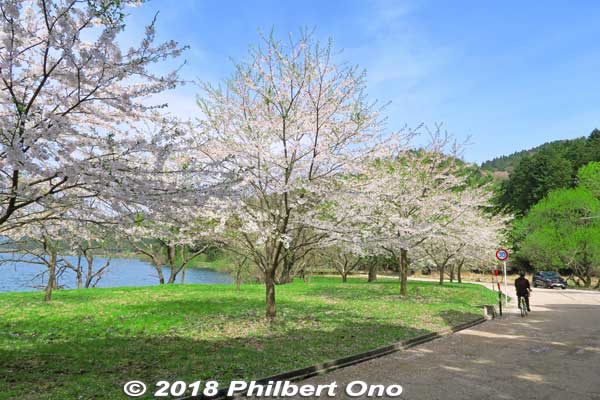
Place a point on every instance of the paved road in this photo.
(554, 353)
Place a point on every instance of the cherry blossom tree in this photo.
(411, 197)
(168, 242)
(177, 220)
(73, 104)
(286, 125)
(344, 262)
(469, 239)
(72, 229)
(84, 239)
(37, 243)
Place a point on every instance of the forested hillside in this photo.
(509, 162)
(553, 191)
(535, 172)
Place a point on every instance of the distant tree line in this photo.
(552, 166)
(562, 231)
(553, 191)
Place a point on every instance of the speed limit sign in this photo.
(502, 255)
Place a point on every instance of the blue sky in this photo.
(509, 74)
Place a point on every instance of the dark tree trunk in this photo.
(286, 277)
(459, 271)
(403, 266)
(161, 277)
(442, 269)
(372, 272)
(344, 277)
(271, 311)
(452, 274)
(286, 272)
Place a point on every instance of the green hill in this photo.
(509, 162)
(529, 175)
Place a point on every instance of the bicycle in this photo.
(523, 306)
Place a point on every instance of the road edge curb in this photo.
(328, 366)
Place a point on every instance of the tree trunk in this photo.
(271, 311)
(161, 277)
(286, 272)
(459, 271)
(403, 265)
(79, 273)
(442, 269)
(344, 276)
(286, 277)
(90, 270)
(584, 277)
(452, 273)
(238, 279)
(174, 270)
(183, 275)
(305, 276)
(372, 272)
(51, 278)
(584, 270)
(157, 263)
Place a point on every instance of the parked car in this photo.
(548, 279)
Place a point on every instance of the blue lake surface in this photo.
(20, 277)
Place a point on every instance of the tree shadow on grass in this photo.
(88, 367)
(90, 351)
(121, 318)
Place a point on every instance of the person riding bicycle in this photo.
(523, 289)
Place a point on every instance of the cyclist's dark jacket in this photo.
(522, 284)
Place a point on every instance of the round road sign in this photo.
(502, 254)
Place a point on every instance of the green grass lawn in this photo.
(88, 342)
(222, 263)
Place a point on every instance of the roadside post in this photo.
(502, 255)
(496, 282)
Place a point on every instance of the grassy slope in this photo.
(223, 263)
(88, 342)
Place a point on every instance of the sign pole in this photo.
(502, 255)
(505, 289)
(496, 284)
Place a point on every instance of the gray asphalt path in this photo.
(554, 353)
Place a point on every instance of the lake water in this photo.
(20, 277)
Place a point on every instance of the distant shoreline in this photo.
(140, 257)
